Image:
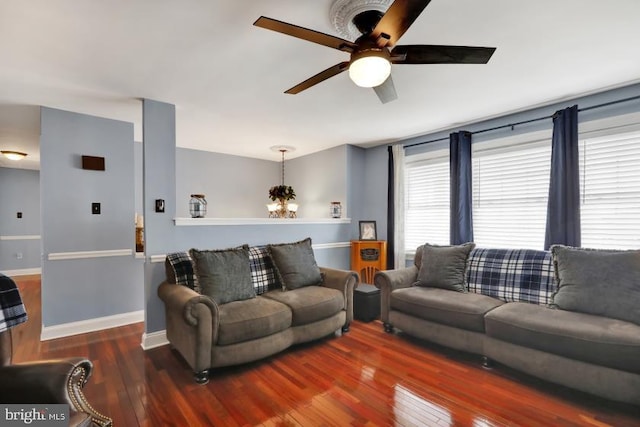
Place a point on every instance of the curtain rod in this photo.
(512, 125)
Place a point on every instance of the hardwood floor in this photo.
(364, 378)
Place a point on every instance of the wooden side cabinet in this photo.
(368, 257)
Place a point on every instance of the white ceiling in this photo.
(227, 77)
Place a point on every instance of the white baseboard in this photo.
(157, 258)
(333, 245)
(89, 254)
(154, 339)
(22, 272)
(21, 237)
(90, 325)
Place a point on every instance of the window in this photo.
(427, 200)
(610, 193)
(510, 192)
(511, 188)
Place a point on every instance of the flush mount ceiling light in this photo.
(13, 155)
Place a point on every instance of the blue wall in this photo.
(356, 184)
(319, 179)
(81, 289)
(376, 179)
(583, 103)
(237, 187)
(19, 192)
(234, 186)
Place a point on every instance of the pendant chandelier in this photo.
(281, 195)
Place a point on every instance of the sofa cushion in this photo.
(224, 275)
(310, 303)
(263, 273)
(444, 266)
(180, 270)
(250, 319)
(295, 264)
(601, 282)
(512, 274)
(461, 310)
(593, 339)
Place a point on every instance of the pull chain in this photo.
(283, 151)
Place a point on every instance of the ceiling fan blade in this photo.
(435, 54)
(305, 34)
(386, 91)
(318, 78)
(397, 20)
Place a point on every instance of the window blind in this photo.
(427, 201)
(610, 193)
(510, 192)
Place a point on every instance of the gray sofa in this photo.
(549, 316)
(210, 330)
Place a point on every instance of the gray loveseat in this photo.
(571, 317)
(292, 301)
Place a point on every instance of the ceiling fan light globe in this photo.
(369, 71)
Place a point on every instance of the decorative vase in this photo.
(197, 206)
(335, 210)
(282, 208)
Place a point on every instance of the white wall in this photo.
(234, 186)
(319, 179)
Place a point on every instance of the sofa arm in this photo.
(191, 322)
(58, 381)
(390, 280)
(344, 281)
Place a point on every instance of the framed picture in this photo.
(368, 230)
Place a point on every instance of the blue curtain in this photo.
(563, 209)
(461, 214)
(390, 210)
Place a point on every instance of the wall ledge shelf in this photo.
(258, 221)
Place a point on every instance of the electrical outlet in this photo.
(19, 215)
(19, 255)
(95, 208)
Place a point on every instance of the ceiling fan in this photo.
(373, 53)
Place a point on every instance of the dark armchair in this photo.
(56, 381)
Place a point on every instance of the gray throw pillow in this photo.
(295, 264)
(600, 282)
(444, 266)
(224, 275)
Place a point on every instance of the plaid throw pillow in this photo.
(523, 275)
(183, 269)
(12, 310)
(263, 274)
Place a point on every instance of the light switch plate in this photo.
(95, 208)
